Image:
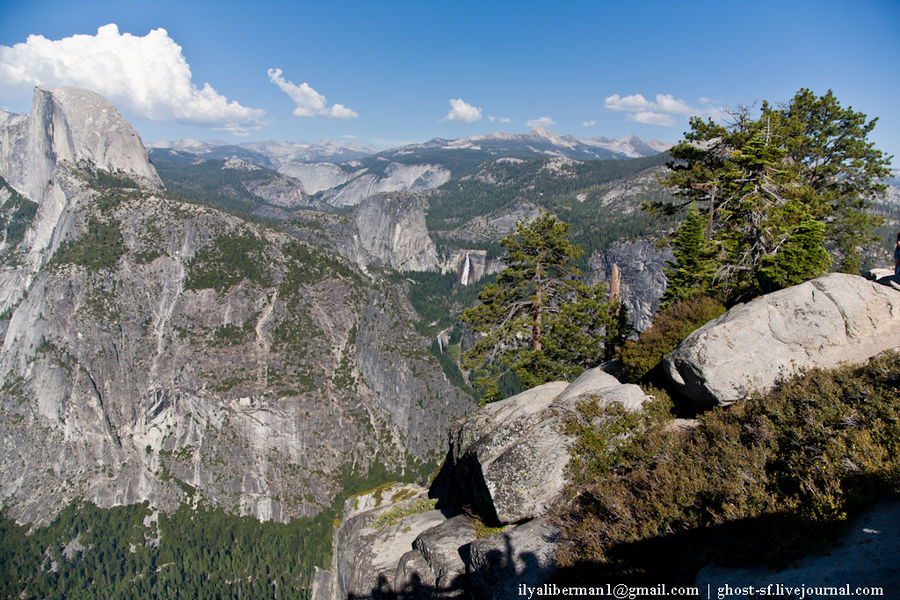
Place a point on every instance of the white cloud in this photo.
(310, 103)
(667, 103)
(541, 122)
(648, 117)
(148, 75)
(641, 110)
(498, 119)
(589, 123)
(634, 102)
(462, 112)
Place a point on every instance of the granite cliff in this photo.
(160, 350)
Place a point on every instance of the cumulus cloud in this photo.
(310, 103)
(649, 117)
(634, 102)
(541, 122)
(665, 103)
(660, 112)
(498, 119)
(462, 112)
(588, 123)
(148, 75)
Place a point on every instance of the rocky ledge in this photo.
(479, 530)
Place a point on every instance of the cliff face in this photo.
(70, 125)
(159, 350)
(642, 279)
(392, 232)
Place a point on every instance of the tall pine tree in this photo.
(539, 320)
(693, 271)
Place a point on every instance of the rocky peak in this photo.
(70, 124)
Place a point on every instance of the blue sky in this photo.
(385, 73)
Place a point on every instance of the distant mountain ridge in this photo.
(542, 142)
(537, 143)
(341, 175)
(269, 153)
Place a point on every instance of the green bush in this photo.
(798, 461)
(669, 328)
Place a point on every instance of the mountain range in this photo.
(537, 143)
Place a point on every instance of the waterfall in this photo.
(440, 343)
(466, 267)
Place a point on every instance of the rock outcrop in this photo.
(70, 125)
(38, 157)
(316, 177)
(392, 232)
(396, 177)
(641, 276)
(506, 464)
(833, 319)
(392, 543)
(508, 460)
(374, 545)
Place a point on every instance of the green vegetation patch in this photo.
(308, 265)
(393, 515)
(204, 554)
(670, 326)
(16, 215)
(460, 200)
(99, 248)
(798, 461)
(227, 260)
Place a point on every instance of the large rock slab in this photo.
(440, 546)
(830, 320)
(508, 460)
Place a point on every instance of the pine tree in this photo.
(695, 262)
(539, 320)
(779, 192)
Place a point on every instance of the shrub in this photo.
(798, 461)
(669, 328)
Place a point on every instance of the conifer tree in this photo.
(695, 261)
(785, 196)
(539, 320)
